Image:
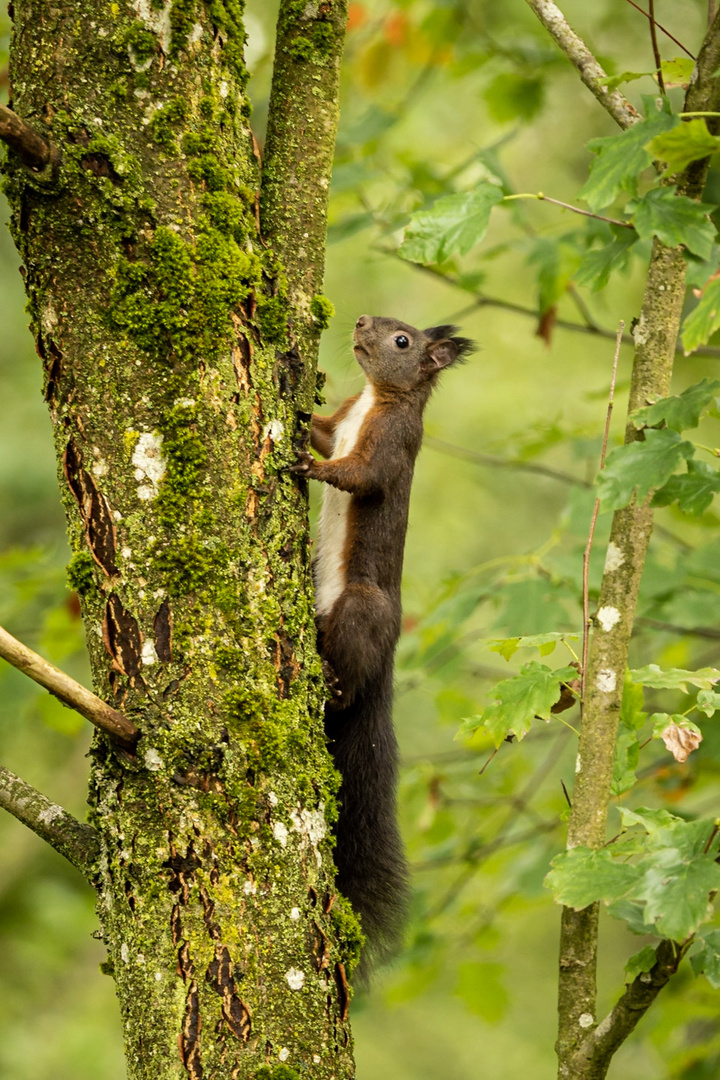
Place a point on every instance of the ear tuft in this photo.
(445, 347)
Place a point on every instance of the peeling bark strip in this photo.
(162, 625)
(94, 511)
(121, 638)
(190, 1035)
(220, 975)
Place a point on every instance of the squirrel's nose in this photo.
(364, 320)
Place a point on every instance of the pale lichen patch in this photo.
(157, 21)
(148, 653)
(149, 464)
(614, 558)
(606, 680)
(295, 978)
(608, 617)
(280, 833)
(51, 813)
(153, 761)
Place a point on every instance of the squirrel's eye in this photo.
(401, 341)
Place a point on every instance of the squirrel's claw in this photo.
(304, 463)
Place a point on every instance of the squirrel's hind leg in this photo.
(357, 639)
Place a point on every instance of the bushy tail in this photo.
(372, 869)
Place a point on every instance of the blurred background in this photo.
(436, 96)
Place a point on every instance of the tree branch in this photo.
(580, 56)
(78, 843)
(299, 149)
(71, 693)
(655, 338)
(595, 1053)
(31, 148)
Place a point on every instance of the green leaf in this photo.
(680, 411)
(514, 97)
(694, 491)
(613, 81)
(704, 320)
(689, 141)
(639, 467)
(453, 225)
(546, 643)
(705, 959)
(599, 263)
(677, 892)
(640, 962)
(621, 158)
(625, 762)
(519, 700)
(651, 820)
(675, 678)
(581, 876)
(531, 605)
(480, 986)
(631, 913)
(556, 262)
(708, 702)
(675, 219)
(678, 70)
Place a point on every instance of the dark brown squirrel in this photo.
(371, 444)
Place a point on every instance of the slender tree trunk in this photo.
(161, 317)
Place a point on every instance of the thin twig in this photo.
(596, 509)
(568, 206)
(481, 300)
(656, 50)
(78, 843)
(690, 631)
(504, 463)
(68, 691)
(663, 30)
(583, 60)
(30, 147)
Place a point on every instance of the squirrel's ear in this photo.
(439, 355)
(445, 348)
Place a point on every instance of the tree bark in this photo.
(174, 382)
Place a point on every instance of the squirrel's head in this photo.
(396, 355)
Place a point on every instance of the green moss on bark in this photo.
(162, 317)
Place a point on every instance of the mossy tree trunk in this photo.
(178, 350)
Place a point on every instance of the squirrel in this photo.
(370, 444)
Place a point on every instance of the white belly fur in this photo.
(332, 529)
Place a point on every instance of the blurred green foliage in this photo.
(440, 100)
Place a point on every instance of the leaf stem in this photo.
(567, 723)
(567, 206)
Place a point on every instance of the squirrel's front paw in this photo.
(304, 464)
